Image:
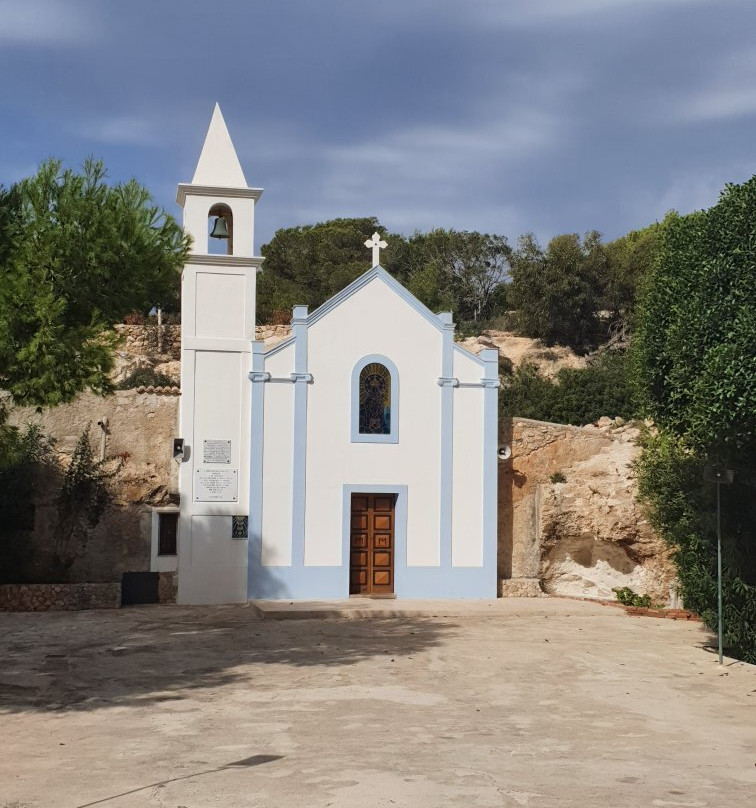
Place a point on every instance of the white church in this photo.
(357, 457)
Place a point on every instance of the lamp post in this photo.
(717, 473)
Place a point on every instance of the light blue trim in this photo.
(257, 436)
(301, 378)
(446, 490)
(300, 582)
(289, 341)
(417, 582)
(363, 280)
(490, 462)
(355, 435)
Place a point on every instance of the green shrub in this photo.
(695, 355)
(682, 507)
(146, 377)
(557, 477)
(628, 597)
(24, 455)
(576, 396)
(83, 498)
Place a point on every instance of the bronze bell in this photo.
(220, 228)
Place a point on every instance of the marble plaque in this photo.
(216, 451)
(216, 485)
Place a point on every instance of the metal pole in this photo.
(719, 569)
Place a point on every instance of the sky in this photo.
(503, 116)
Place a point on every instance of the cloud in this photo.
(125, 129)
(729, 93)
(438, 153)
(522, 13)
(536, 12)
(44, 22)
(421, 176)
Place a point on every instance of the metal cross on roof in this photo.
(377, 244)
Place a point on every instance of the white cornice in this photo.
(187, 189)
(225, 260)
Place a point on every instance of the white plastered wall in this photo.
(467, 507)
(375, 320)
(196, 209)
(218, 315)
(277, 462)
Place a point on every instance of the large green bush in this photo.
(695, 354)
(575, 396)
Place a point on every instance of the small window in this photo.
(167, 533)
(375, 400)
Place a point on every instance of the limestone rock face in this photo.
(171, 369)
(593, 534)
(586, 535)
(522, 350)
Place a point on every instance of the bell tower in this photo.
(217, 328)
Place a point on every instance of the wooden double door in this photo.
(371, 545)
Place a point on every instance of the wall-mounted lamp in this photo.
(179, 450)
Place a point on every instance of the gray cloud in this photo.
(551, 115)
(44, 22)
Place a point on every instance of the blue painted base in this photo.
(332, 583)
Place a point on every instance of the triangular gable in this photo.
(354, 287)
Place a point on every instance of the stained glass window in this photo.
(375, 400)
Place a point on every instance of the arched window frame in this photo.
(393, 435)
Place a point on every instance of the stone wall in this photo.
(137, 443)
(586, 535)
(148, 346)
(150, 340)
(271, 334)
(59, 597)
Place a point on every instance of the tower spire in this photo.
(218, 164)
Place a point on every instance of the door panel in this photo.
(372, 544)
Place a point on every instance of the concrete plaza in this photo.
(544, 703)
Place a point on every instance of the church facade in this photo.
(357, 457)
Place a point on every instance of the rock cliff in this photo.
(569, 515)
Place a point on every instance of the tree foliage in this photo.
(447, 270)
(558, 291)
(76, 255)
(310, 263)
(695, 357)
(456, 270)
(629, 260)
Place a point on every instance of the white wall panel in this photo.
(467, 508)
(220, 305)
(277, 475)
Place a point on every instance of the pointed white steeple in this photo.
(218, 164)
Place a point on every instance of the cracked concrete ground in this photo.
(546, 703)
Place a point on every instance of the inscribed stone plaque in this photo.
(216, 485)
(216, 451)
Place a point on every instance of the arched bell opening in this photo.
(220, 230)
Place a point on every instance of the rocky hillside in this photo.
(521, 350)
(569, 516)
